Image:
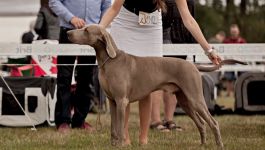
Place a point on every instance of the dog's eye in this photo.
(86, 33)
(87, 29)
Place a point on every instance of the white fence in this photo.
(251, 53)
(254, 54)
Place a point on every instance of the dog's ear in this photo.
(110, 44)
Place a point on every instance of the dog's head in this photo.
(93, 35)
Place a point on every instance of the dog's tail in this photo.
(216, 67)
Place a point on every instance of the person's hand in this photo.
(78, 22)
(101, 26)
(214, 57)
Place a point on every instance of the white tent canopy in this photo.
(19, 7)
(12, 28)
(15, 16)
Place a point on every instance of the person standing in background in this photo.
(47, 27)
(219, 37)
(234, 38)
(23, 61)
(75, 14)
(30, 35)
(174, 31)
(47, 24)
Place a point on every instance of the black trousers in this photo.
(83, 94)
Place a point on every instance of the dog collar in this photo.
(104, 62)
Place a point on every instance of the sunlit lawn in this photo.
(238, 133)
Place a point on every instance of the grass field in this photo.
(238, 133)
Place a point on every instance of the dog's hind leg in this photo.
(213, 124)
(188, 108)
(203, 126)
(114, 137)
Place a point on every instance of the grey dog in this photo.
(126, 78)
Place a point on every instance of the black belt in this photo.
(136, 10)
(65, 29)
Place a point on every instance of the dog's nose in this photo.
(69, 32)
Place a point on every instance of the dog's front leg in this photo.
(114, 137)
(121, 107)
(126, 128)
(145, 115)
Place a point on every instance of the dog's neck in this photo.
(102, 65)
(101, 55)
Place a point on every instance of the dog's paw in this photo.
(120, 143)
(143, 142)
(127, 142)
(114, 142)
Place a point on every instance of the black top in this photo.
(140, 5)
(172, 19)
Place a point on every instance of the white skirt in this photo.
(136, 39)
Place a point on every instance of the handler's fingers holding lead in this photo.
(213, 57)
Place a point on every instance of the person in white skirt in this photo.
(137, 29)
(174, 31)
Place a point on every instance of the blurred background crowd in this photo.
(212, 16)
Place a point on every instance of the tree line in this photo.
(249, 15)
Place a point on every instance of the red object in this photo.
(63, 128)
(54, 68)
(238, 40)
(37, 69)
(19, 71)
(86, 126)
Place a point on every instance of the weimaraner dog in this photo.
(126, 78)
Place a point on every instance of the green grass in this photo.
(238, 133)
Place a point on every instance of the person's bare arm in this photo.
(111, 13)
(193, 27)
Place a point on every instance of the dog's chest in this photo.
(104, 84)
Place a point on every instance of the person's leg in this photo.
(155, 112)
(229, 76)
(230, 88)
(145, 107)
(156, 122)
(170, 103)
(83, 92)
(64, 78)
